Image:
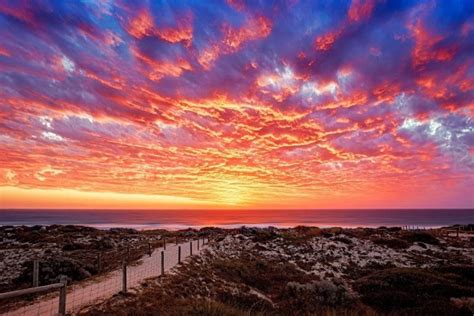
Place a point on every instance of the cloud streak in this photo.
(240, 104)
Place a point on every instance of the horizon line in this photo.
(238, 209)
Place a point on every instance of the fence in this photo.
(73, 298)
(444, 232)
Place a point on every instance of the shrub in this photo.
(393, 243)
(297, 239)
(71, 246)
(52, 269)
(244, 300)
(211, 308)
(462, 273)
(413, 290)
(261, 274)
(264, 235)
(343, 239)
(319, 293)
(30, 236)
(420, 237)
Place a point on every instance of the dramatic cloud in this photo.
(296, 104)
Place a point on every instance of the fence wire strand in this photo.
(86, 293)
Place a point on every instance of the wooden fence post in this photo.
(35, 273)
(191, 248)
(162, 262)
(62, 296)
(198, 243)
(149, 249)
(128, 253)
(124, 277)
(176, 240)
(179, 254)
(164, 243)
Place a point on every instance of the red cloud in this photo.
(157, 69)
(326, 41)
(424, 50)
(4, 52)
(254, 133)
(253, 29)
(143, 25)
(236, 4)
(184, 32)
(208, 55)
(20, 11)
(360, 10)
(234, 38)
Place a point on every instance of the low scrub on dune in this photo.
(257, 273)
(393, 243)
(313, 271)
(214, 308)
(414, 290)
(423, 237)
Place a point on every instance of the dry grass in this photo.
(248, 274)
(422, 291)
(239, 286)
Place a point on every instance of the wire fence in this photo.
(131, 274)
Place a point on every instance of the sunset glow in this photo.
(209, 105)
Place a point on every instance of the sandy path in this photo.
(105, 286)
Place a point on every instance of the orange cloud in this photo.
(87, 112)
(359, 10)
(181, 32)
(234, 38)
(157, 69)
(143, 25)
(253, 29)
(209, 55)
(175, 35)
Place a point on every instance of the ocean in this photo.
(180, 219)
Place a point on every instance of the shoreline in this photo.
(176, 220)
(178, 228)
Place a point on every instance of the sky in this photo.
(237, 104)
